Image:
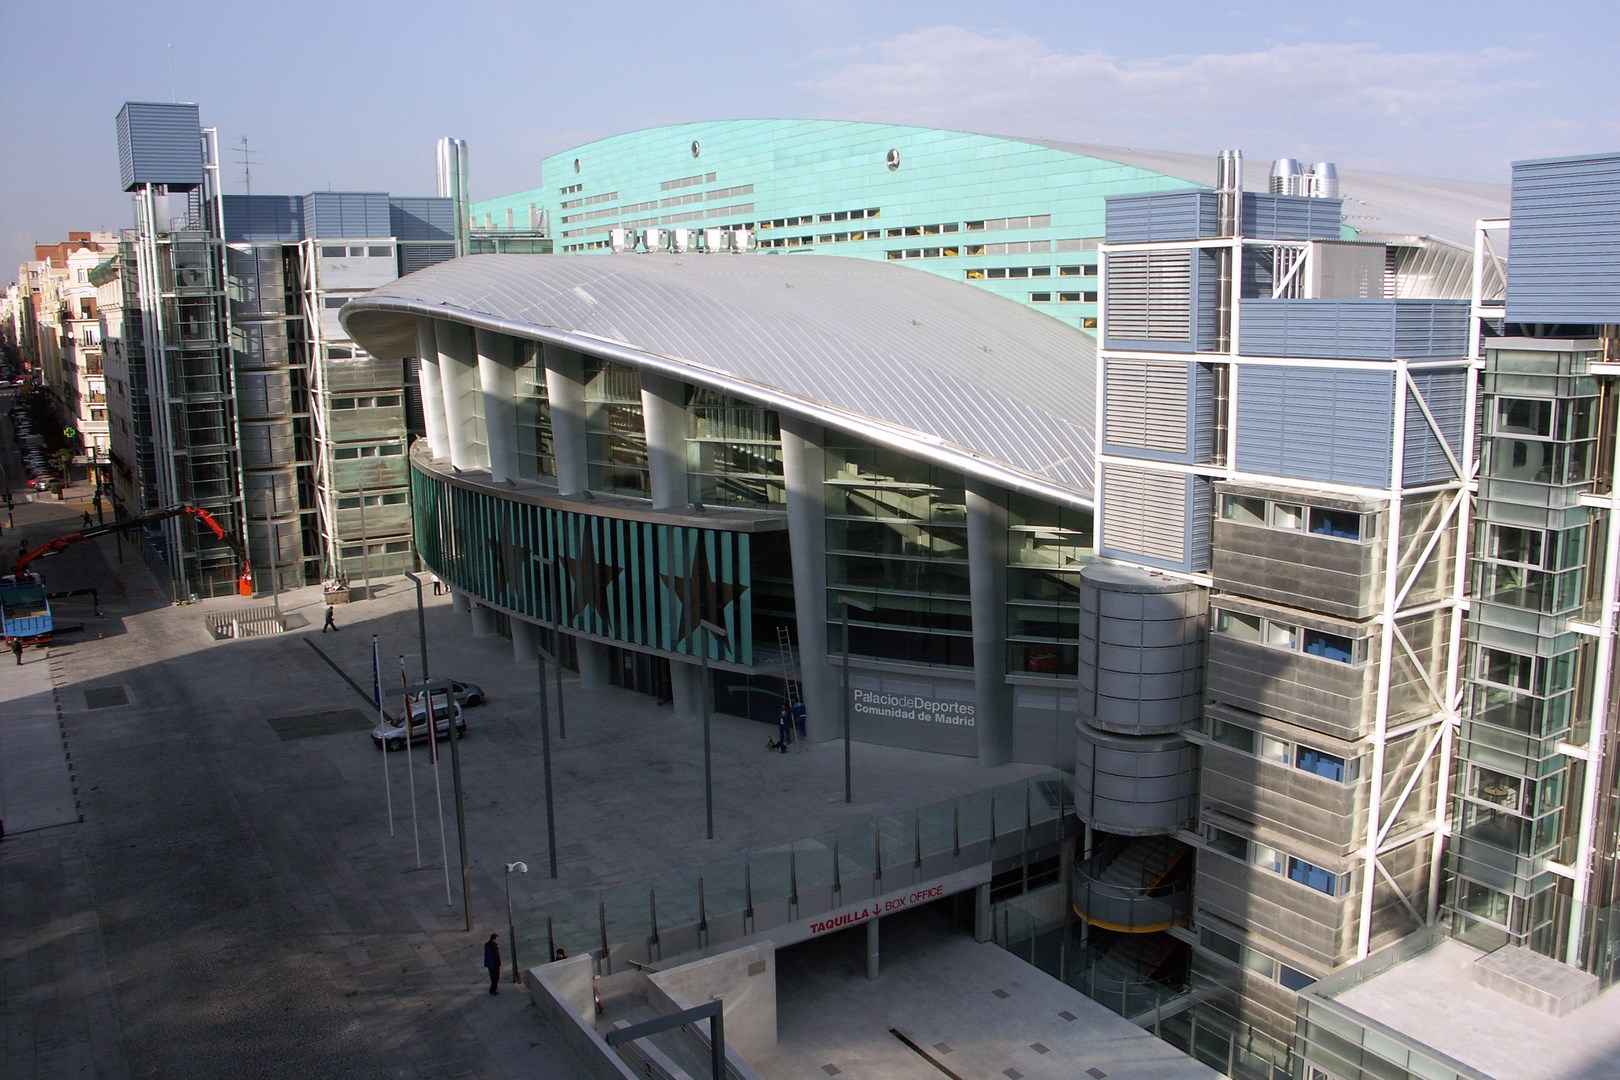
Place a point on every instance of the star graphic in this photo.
(701, 597)
(592, 579)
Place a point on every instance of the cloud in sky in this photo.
(1378, 108)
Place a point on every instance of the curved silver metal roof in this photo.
(900, 356)
(1376, 204)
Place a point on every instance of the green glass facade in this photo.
(640, 583)
(1015, 218)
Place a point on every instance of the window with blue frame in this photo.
(1314, 876)
(1339, 524)
(1322, 764)
(1330, 646)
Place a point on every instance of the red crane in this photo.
(244, 585)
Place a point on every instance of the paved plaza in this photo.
(198, 876)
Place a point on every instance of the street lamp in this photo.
(511, 933)
(555, 611)
(715, 633)
(846, 603)
(545, 755)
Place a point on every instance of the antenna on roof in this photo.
(246, 156)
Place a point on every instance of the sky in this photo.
(345, 95)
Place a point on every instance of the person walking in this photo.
(331, 621)
(492, 961)
(16, 648)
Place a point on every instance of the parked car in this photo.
(466, 693)
(391, 733)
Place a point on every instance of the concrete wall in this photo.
(563, 994)
(745, 981)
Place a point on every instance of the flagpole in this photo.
(410, 729)
(438, 792)
(376, 691)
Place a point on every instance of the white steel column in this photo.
(458, 379)
(497, 380)
(663, 410)
(427, 351)
(565, 390)
(804, 473)
(987, 589)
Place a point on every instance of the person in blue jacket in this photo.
(492, 961)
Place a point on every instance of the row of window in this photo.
(1298, 755)
(366, 401)
(390, 547)
(1031, 221)
(351, 453)
(1296, 517)
(1253, 960)
(591, 200)
(357, 251)
(1280, 634)
(387, 498)
(1063, 298)
(1269, 858)
(686, 181)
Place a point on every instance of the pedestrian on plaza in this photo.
(438, 586)
(492, 961)
(331, 621)
(88, 521)
(16, 648)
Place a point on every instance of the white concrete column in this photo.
(686, 685)
(497, 380)
(593, 664)
(872, 951)
(483, 621)
(460, 601)
(565, 390)
(804, 472)
(525, 643)
(663, 412)
(987, 591)
(458, 379)
(427, 348)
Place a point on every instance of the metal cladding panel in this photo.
(1332, 425)
(1355, 329)
(414, 257)
(159, 143)
(1155, 518)
(252, 219)
(1564, 245)
(1161, 216)
(949, 371)
(347, 214)
(1446, 395)
(1292, 217)
(422, 218)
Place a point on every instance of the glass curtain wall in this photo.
(536, 456)
(734, 452)
(616, 438)
(1047, 546)
(1530, 577)
(897, 540)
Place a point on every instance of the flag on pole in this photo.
(410, 718)
(433, 726)
(376, 674)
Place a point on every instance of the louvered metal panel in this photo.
(422, 218)
(1161, 216)
(1149, 516)
(1564, 246)
(1147, 409)
(1203, 413)
(1355, 329)
(1150, 300)
(414, 257)
(1446, 395)
(274, 219)
(159, 143)
(948, 371)
(1332, 425)
(1292, 217)
(346, 214)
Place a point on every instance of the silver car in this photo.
(391, 733)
